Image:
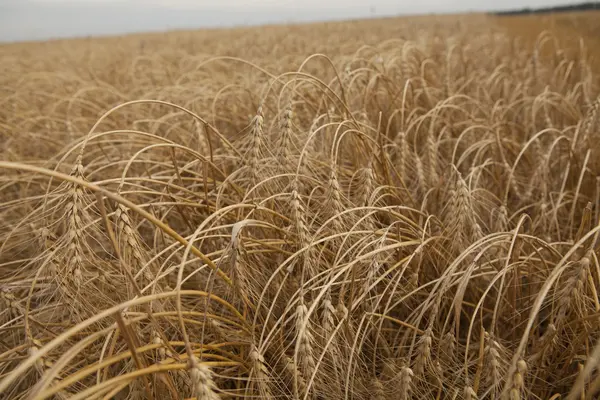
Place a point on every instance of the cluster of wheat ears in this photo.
(413, 219)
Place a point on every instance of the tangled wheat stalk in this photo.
(415, 219)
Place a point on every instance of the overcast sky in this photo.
(44, 19)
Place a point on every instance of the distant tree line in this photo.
(591, 5)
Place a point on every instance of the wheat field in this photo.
(403, 208)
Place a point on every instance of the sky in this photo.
(46, 19)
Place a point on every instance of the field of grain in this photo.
(404, 208)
